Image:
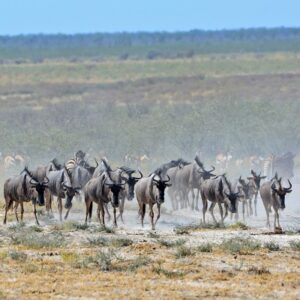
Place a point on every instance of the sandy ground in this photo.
(70, 261)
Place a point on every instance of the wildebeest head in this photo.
(245, 187)
(115, 189)
(38, 186)
(231, 198)
(70, 192)
(161, 186)
(204, 174)
(256, 179)
(131, 181)
(279, 192)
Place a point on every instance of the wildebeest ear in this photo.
(249, 178)
(263, 177)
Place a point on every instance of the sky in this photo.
(85, 16)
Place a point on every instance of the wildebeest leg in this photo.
(255, 203)
(142, 213)
(197, 200)
(22, 210)
(87, 208)
(48, 202)
(67, 213)
(221, 212)
(193, 199)
(16, 211)
(267, 212)
(151, 214)
(107, 211)
(102, 210)
(204, 207)
(121, 209)
(276, 217)
(115, 216)
(59, 206)
(211, 210)
(34, 211)
(243, 209)
(8, 205)
(158, 213)
(250, 207)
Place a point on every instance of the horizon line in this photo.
(152, 31)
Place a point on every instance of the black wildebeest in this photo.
(150, 190)
(273, 196)
(218, 190)
(102, 190)
(60, 185)
(254, 184)
(24, 188)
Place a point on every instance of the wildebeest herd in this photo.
(107, 188)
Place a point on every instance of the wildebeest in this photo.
(273, 196)
(243, 188)
(60, 185)
(151, 190)
(187, 179)
(40, 173)
(24, 188)
(254, 184)
(102, 190)
(128, 192)
(218, 190)
(162, 170)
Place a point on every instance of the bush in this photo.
(17, 255)
(239, 245)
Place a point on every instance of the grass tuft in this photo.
(35, 241)
(239, 225)
(205, 248)
(258, 270)
(272, 246)
(295, 245)
(184, 251)
(171, 244)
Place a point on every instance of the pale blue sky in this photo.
(82, 16)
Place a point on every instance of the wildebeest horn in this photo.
(32, 181)
(213, 168)
(273, 187)
(290, 186)
(253, 173)
(97, 164)
(141, 175)
(165, 181)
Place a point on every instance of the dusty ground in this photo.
(71, 261)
